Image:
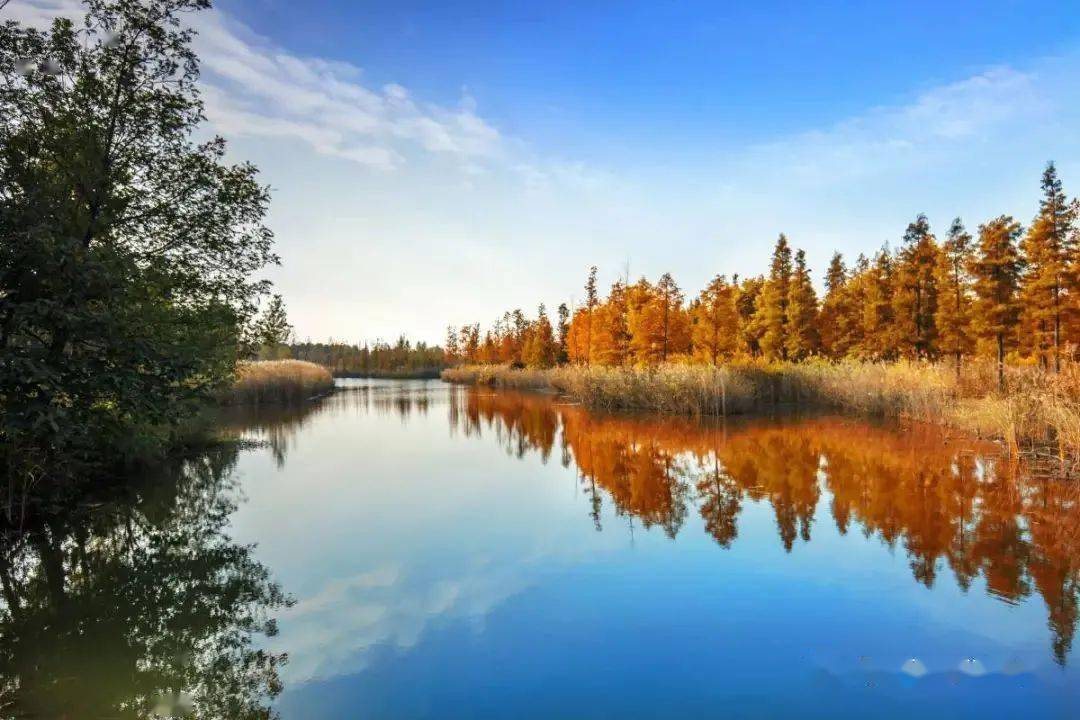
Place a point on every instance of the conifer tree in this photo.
(562, 330)
(611, 341)
(836, 275)
(747, 301)
(953, 318)
(771, 314)
(272, 328)
(877, 326)
(801, 337)
(915, 294)
(834, 319)
(715, 322)
(540, 347)
(451, 351)
(1048, 248)
(997, 279)
(659, 325)
(577, 340)
(470, 342)
(591, 301)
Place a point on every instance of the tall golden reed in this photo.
(1039, 411)
(278, 381)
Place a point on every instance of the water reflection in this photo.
(278, 426)
(944, 502)
(136, 602)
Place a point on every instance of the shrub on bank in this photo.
(278, 381)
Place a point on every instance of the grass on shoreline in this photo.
(278, 381)
(1039, 411)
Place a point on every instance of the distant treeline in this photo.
(402, 359)
(1007, 293)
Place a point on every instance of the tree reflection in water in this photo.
(133, 603)
(941, 499)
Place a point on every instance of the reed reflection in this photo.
(944, 502)
(277, 426)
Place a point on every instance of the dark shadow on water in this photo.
(119, 603)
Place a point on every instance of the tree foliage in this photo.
(127, 250)
(925, 301)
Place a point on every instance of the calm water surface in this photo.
(464, 553)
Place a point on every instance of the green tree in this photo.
(953, 318)
(127, 249)
(801, 339)
(540, 347)
(592, 299)
(563, 332)
(272, 328)
(997, 280)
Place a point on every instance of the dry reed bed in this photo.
(278, 381)
(1039, 412)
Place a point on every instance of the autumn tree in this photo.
(659, 324)
(877, 310)
(747, 301)
(953, 318)
(540, 348)
(832, 307)
(715, 321)
(997, 279)
(915, 296)
(611, 336)
(801, 337)
(772, 311)
(577, 340)
(1048, 248)
(451, 351)
(469, 342)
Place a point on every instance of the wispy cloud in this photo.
(253, 88)
(940, 121)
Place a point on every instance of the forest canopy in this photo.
(1005, 292)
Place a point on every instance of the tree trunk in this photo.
(1001, 361)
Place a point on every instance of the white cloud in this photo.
(273, 93)
(938, 122)
(376, 177)
(252, 88)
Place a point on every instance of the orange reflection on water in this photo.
(945, 501)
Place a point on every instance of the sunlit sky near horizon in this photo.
(436, 163)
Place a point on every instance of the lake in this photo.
(421, 550)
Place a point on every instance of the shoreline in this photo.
(1038, 415)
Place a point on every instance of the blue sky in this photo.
(436, 163)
